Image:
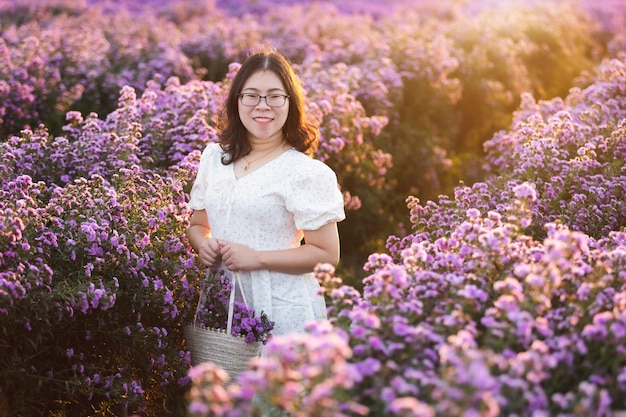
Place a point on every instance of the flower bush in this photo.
(504, 298)
(48, 72)
(96, 276)
(305, 375)
(573, 150)
(426, 82)
(499, 302)
(212, 312)
(95, 283)
(484, 320)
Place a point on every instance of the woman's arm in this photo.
(199, 234)
(321, 246)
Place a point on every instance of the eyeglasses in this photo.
(272, 100)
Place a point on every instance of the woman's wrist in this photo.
(262, 260)
(197, 236)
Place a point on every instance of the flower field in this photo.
(481, 152)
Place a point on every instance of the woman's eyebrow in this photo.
(271, 90)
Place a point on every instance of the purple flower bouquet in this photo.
(213, 311)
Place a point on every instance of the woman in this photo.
(262, 205)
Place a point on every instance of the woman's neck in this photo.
(261, 147)
(260, 154)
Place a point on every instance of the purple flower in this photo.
(214, 311)
(525, 190)
(411, 406)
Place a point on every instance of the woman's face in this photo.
(263, 122)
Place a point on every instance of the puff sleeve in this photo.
(314, 198)
(198, 191)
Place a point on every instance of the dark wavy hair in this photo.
(300, 131)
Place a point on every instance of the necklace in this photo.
(248, 163)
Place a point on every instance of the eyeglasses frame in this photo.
(262, 98)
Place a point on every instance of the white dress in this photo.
(268, 209)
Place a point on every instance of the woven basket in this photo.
(214, 345)
(231, 353)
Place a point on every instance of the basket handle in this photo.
(231, 301)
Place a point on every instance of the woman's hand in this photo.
(199, 234)
(209, 252)
(238, 257)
